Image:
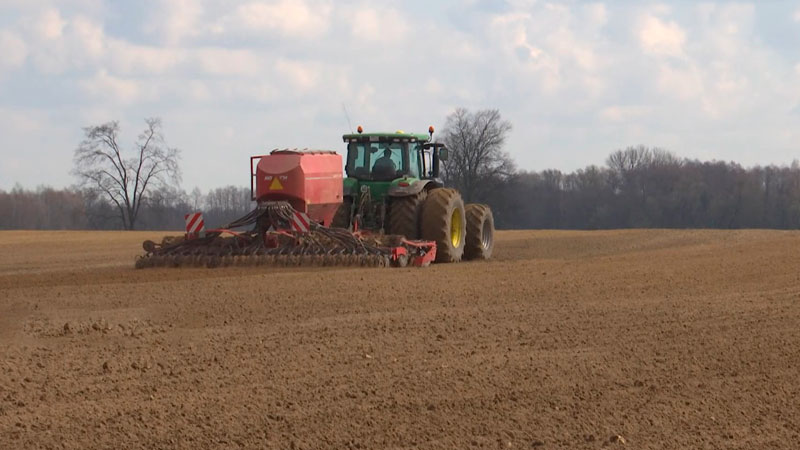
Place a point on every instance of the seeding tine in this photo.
(348, 259)
(188, 260)
(320, 247)
(328, 260)
(315, 260)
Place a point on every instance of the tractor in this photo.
(390, 210)
(393, 186)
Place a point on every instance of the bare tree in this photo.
(196, 198)
(227, 203)
(475, 141)
(126, 181)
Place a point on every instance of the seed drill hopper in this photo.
(297, 194)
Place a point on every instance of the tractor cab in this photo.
(384, 170)
(389, 156)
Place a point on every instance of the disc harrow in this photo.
(272, 242)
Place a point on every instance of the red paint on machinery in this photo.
(310, 181)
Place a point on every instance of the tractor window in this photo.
(427, 163)
(413, 160)
(388, 160)
(382, 161)
(357, 160)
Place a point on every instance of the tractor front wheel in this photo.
(480, 232)
(444, 221)
(404, 215)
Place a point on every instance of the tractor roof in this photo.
(386, 136)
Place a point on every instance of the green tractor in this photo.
(393, 187)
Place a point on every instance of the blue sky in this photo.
(714, 80)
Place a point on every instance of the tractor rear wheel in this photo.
(342, 217)
(480, 232)
(443, 221)
(404, 213)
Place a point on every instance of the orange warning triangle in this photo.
(275, 185)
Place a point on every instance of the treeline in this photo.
(45, 208)
(640, 187)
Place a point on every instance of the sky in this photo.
(230, 79)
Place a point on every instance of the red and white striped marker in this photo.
(194, 223)
(300, 222)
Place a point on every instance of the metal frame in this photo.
(253, 175)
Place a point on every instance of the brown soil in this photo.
(644, 339)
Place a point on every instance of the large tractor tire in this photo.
(404, 215)
(443, 221)
(480, 232)
(342, 217)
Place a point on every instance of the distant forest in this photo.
(637, 187)
(641, 187)
(72, 209)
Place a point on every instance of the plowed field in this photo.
(638, 339)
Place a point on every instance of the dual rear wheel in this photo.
(440, 215)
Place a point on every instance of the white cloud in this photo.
(383, 25)
(557, 44)
(13, 49)
(105, 87)
(131, 58)
(684, 83)
(296, 18)
(57, 44)
(49, 24)
(197, 90)
(659, 37)
(21, 121)
(597, 14)
(621, 113)
(88, 36)
(302, 76)
(176, 20)
(229, 62)
(797, 15)
(433, 86)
